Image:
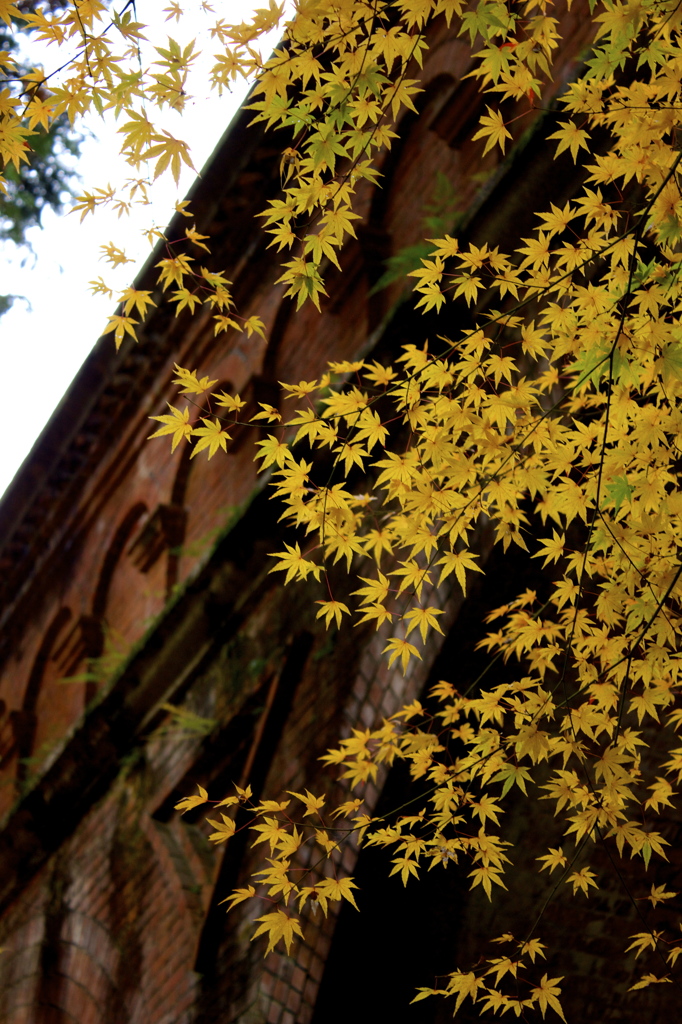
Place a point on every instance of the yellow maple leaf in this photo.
(332, 610)
(337, 889)
(423, 619)
(546, 994)
(401, 649)
(223, 829)
(294, 564)
(211, 436)
(176, 423)
(278, 926)
(493, 128)
(122, 325)
(570, 137)
(191, 384)
(188, 802)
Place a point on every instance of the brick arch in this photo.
(209, 492)
(254, 765)
(266, 387)
(181, 479)
(179, 493)
(299, 346)
(427, 143)
(79, 959)
(20, 963)
(120, 604)
(113, 556)
(428, 103)
(88, 954)
(25, 721)
(178, 501)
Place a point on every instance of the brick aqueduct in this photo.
(114, 549)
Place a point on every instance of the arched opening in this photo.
(57, 705)
(209, 492)
(112, 557)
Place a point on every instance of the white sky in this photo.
(44, 339)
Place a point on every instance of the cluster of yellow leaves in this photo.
(475, 986)
(336, 84)
(553, 423)
(313, 881)
(285, 838)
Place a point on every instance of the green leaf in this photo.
(671, 363)
(617, 491)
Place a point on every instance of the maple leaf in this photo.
(554, 859)
(510, 775)
(233, 403)
(582, 880)
(332, 610)
(546, 994)
(424, 993)
(423, 619)
(211, 436)
(617, 491)
(273, 451)
(413, 576)
(132, 298)
(486, 876)
(407, 868)
(494, 1000)
(464, 985)
(238, 896)
(457, 562)
(644, 940)
(268, 413)
(254, 325)
(193, 235)
(337, 889)
(273, 832)
(294, 564)
(312, 804)
(401, 649)
(376, 613)
(8, 11)
(493, 128)
(649, 979)
(122, 325)
(662, 791)
(278, 926)
(188, 802)
(533, 948)
(168, 152)
(371, 430)
(659, 894)
(503, 965)
(114, 255)
(552, 549)
(223, 829)
(375, 591)
(570, 137)
(176, 423)
(671, 362)
(191, 384)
